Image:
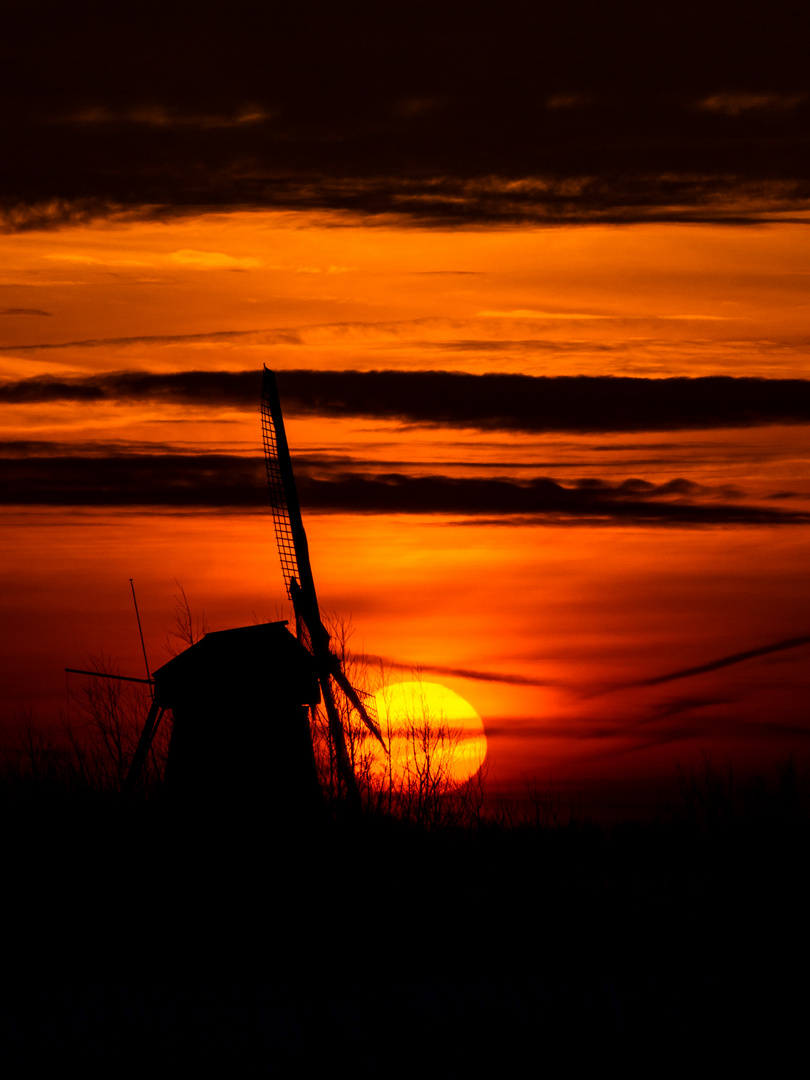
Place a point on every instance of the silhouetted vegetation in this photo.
(711, 830)
(515, 917)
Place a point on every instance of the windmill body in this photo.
(240, 733)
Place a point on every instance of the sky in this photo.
(533, 279)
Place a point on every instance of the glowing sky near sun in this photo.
(546, 629)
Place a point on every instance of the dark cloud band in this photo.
(228, 482)
(491, 402)
(440, 113)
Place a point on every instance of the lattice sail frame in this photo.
(278, 496)
(369, 702)
(294, 555)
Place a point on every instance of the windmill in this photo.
(295, 565)
(239, 697)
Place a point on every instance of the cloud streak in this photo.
(725, 661)
(230, 482)
(265, 337)
(491, 402)
(672, 708)
(442, 202)
(474, 674)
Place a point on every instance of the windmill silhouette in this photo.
(239, 697)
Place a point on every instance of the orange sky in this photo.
(651, 299)
(555, 620)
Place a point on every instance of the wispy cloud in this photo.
(475, 674)
(726, 661)
(93, 260)
(698, 670)
(568, 101)
(157, 116)
(530, 313)
(735, 104)
(262, 337)
(440, 202)
(576, 316)
(213, 260)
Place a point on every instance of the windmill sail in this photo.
(290, 536)
(294, 554)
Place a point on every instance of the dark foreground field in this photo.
(139, 935)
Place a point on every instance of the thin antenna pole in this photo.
(140, 631)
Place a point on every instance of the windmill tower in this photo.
(239, 698)
(295, 565)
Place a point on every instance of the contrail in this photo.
(672, 676)
(725, 661)
(466, 673)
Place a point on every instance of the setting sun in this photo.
(431, 731)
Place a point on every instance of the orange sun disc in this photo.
(432, 733)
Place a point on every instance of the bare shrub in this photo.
(33, 758)
(415, 783)
(710, 796)
(188, 628)
(113, 714)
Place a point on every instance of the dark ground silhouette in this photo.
(137, 933)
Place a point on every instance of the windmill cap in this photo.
(265, 653)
